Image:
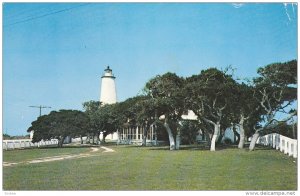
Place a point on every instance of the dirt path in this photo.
(61, 157)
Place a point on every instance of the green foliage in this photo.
(140, 110)
(58, 125)
(188, 131)
(168, 100)
(275, 90)
(283, 128)
(102, 118)
(209, 91)
(279, 74)
(6, 136)
(210, 95)
(213, 95)
(167, 94)
(162, 135)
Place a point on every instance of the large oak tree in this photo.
(58, 125)
(209, 96)
(275, 93)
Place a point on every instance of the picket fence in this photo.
(279, 142)
(26, 143)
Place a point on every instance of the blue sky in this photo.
(55, 54)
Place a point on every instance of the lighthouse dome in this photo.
(108, 73)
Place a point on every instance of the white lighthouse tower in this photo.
(108, 93)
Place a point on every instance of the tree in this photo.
(6, 136)
(146, 115)
(275, 91)
(58, 125)
(137, 111)
(101, 118)
(245, 110)
(95, 124)
(285, 129)
(168, 101)
(208, 96)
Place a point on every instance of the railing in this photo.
(279, 142)
(26, 143)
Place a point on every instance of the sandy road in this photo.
(61, 157)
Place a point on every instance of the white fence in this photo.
(26, 143)
(279, 142)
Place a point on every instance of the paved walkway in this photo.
(61, 157)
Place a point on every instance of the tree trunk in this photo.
(119, 137)
(203, 135)
(93, 138)
(87, 141)
(145, 133)
(294, 132)
(208, 139)
(236, 134)
(177, 144)
(171, 138)
(215, 136)
(242, 134)
(253, 140)
(61, 141)
(81, 140)
(242, 138)
(104, 134)
(97, 138)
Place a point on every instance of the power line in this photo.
(40, 107)
(47, 14)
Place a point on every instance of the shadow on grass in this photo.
(72, 145)
(200, 147)
(262, 147)
(182, 147)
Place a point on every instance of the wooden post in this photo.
(291, 143)
(277, 142)
(286, 149)
(280, 143)
(130, 133)
(126, 135)
(129, 136)
(295, 154)
(123, 134)
(141, 132)
(151, 133)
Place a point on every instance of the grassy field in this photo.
(152, 168)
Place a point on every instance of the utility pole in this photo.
(40, 108)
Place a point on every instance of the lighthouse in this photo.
(108, 93)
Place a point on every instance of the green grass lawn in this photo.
(152, 168)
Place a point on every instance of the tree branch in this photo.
(280, 96)
(211, 112)
(208, 121)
